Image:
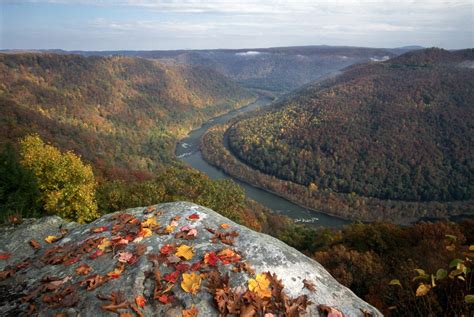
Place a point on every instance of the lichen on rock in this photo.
(166, 260)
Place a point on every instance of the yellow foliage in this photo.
(50, 239)
(185, 252)
(191, 282)
(260, 286)
(150, 222)
(67, 185)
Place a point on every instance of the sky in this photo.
(191, 24)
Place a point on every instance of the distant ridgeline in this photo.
(398, 130)
(278, 69)
(114, 111)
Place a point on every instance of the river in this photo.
(188, 151)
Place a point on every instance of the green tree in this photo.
(19, 192)
(67, 185)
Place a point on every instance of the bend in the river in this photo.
(188, 151)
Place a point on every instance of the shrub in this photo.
(67, 185)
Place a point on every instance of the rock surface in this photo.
(262, 252)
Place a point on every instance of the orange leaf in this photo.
(225, 226)
(145, 232)
(190, 312)
(83, 269)
(140, 300)
(35, 244)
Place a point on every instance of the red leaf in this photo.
(194, 216)
(133, 260)
(71, 261)
(196, 266)
(167, 249)
(165, 299)
(5, 255)
(182, 267)
(96, 254)
(211, 259)
(172, 277)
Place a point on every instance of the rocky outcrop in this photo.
(113, 263)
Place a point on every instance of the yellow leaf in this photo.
(191, 282)
(150, 222)
(104, 244)
(225, 226)
(471, 247)
(185, 252)
(260, 286)
(169, 229)
(51, 239)
(145, 232)
(423, 289)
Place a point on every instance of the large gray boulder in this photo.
(48, 283)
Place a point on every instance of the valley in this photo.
(188, 150)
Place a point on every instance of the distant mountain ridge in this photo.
(278, 69)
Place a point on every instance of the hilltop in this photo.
(123, 112)
(397, 131)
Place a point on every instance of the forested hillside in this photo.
(278, 69)
(117, 112)
(398, 130)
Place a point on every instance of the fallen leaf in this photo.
(309, 285)
(225, 226)
(184, 251)
(167, 249)
(51, 239)
(150, 222)
(260, 286)
(99, 229)
(211, 259)
(191, 282)
(228, 256)
(190, 312)
(96, 254)
(5, 255)
(104, 244)
(185, 228)
(166, 299)
(182, 267)
(35, 244)
(193, 217)
(145, 232)
(169, 228)
(83, 269)
(192, 233)
(140, 300)
(171, 277)
(124, 256)
(71, 261)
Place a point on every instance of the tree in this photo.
(19, 192)
(66, 184)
